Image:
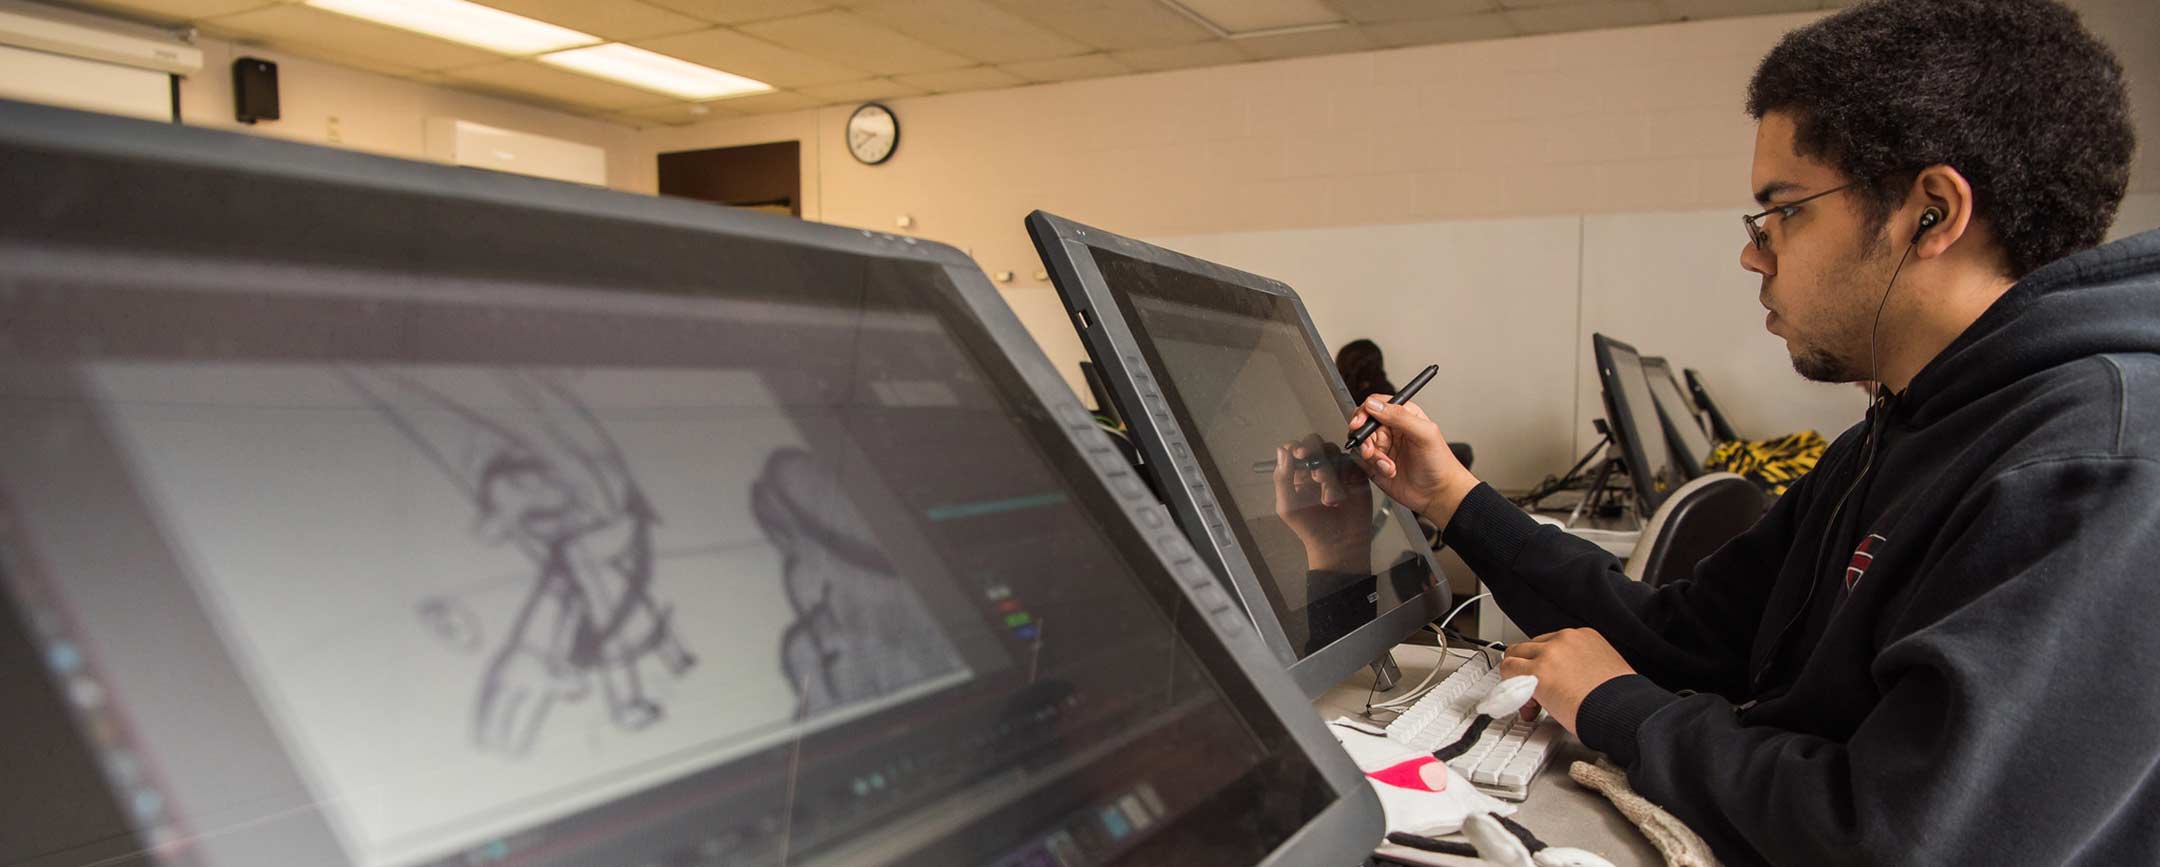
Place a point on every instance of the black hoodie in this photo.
(1939, 646)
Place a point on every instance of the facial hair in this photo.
(1846, 355)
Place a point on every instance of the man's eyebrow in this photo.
(1762, 196)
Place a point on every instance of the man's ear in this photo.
(1945, 191)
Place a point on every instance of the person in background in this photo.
(1363, 370)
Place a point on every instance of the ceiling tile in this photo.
(176, 11)
(1067, 68)
(771, 103)
(614, 19)
(1458, 28)
(1112, 24)
(972, 28)
(531, 79)
(1586, 16)
(303, 27)
(955, 80)
(863, 91)
(729, 51)
(1700, 9)
(1339, 40)
(844, 37)
(1378, 11)
(368, 64)
(742, 11)
(1214, 53)
(674, 114)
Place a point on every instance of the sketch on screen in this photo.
(547, 479)
(860, 631)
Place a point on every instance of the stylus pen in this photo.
(1371, 424)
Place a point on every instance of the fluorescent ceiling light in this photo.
(655, 72)
(460, 21)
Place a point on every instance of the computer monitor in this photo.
(1720, 426)
(1216, 369)
(1690, 446)
(358, 511)
(1631, 415)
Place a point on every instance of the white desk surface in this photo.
(1559, 811)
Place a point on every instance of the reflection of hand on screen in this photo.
(1328, 508)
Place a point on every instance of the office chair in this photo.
(1696, 520)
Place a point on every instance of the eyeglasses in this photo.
(1761, 238)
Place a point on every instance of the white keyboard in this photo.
(1507, 756)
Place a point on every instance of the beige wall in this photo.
(1481, 205)
(384, 115)
(1640, 119)
(1629, 119)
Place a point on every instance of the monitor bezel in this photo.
(1100, 314)
(1346, 828)
(1673, 418)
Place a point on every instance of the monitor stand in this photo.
(1385, 672)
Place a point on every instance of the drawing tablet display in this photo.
(1224, 382)
(362, 512)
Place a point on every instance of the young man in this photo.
(1939, 646)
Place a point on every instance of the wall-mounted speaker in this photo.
(254, 85)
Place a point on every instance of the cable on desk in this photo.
(1424, 686)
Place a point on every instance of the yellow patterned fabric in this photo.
(1773, 464)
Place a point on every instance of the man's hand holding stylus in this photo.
(1409, 459)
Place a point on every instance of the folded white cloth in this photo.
(1419, 793)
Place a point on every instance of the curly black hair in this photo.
(2014, 94)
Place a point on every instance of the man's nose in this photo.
(1754, 259)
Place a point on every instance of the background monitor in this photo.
(1216, 368)
(1720, 427)
(1632, 416)
(1105, 405)
(1690, 446)
(357, 511)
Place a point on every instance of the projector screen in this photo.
(68, 82)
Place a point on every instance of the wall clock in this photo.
(873, 133)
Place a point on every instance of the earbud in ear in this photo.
(1928, 219)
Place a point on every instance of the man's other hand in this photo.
(1568, 665)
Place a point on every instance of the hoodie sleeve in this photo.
(2011, 727)
(1692, 633)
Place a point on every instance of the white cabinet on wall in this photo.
(464, 143)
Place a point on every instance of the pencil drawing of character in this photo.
(859, 630)
(545, 478)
